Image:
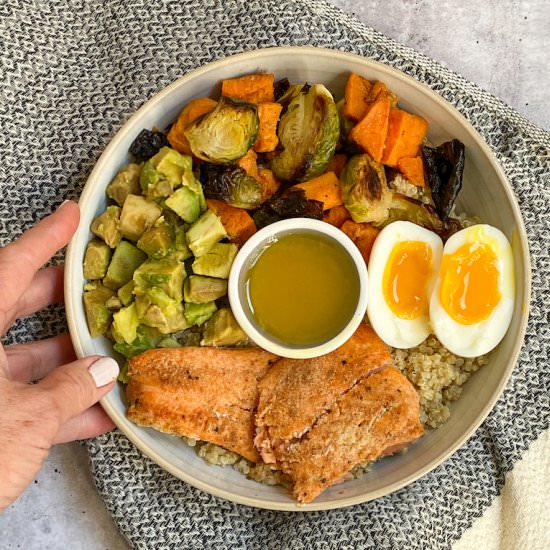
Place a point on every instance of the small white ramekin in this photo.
(246, 257)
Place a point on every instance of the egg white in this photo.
(393, 330)
(478, 338)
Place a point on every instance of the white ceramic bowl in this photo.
(485, 193)
(249, 253)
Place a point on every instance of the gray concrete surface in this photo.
(500, 45)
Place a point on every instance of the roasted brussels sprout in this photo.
(280, 88)
(224, 134)
(308, 132)
(364, 189)
(444, 166)
(230, 183)
(420, 213)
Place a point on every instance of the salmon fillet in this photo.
(319, 418)
(296, 392)
(205, 393)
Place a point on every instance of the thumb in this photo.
(75, 387)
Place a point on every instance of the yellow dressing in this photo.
(406, 277)
(303, 289)
(469, 283)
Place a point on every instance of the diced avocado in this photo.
(185, 203)
(106, 226)
(162, 173)
(126, 259)
(146, 338)
(158, 241)
(96, 259)
(167, 274)
(137, 215)
(182, 251)
(217, 261)
(125, 323)
(97, 313)
(156, 309)
(199, 289)
(125, 183)
(205, 233)
(197, 314)
(126, 292)
(113, 303)
(222, 330)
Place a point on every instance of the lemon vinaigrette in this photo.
(303, 288)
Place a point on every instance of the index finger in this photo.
(21, 259)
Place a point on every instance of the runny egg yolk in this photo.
(406, 277)
(469, 283)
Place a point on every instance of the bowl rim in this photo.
(331, 55)
(254, 247)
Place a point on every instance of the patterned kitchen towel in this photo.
(72, 74)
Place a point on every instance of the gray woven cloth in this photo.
(73, 72)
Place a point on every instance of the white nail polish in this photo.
(103, 371)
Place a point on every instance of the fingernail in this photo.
(103, 371)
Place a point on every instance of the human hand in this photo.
(62, 406)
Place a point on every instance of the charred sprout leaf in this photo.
(308, 132)
(147, 144)
(412, 210)
(280, 88)
(224, 134)
(364, 189)
(231, 184)
(444, 167)
(293, 204)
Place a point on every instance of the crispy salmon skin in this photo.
(205, 393)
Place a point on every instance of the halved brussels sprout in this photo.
(412, 210)
(308, 132)
(231, 184)
(224, 134)
(364, 189)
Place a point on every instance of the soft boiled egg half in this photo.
(463, 292)
(473, 300)
(403, 267)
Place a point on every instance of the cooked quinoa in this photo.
(437, 374)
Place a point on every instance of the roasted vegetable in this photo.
(230, 183)
(252, 88)
(412, 169)
(268, 114)
(371, 131)
(280, 87)
(337, 163)
(324, 188)
(405, 134)
(237, 222)
(413, 210)
(224, 134)
(147, 144)
(308, 133)
(362, 234)
(364, 189)
(193, 110)
(336, 216)
(291, 204)
(444, 167)
(356, 97)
